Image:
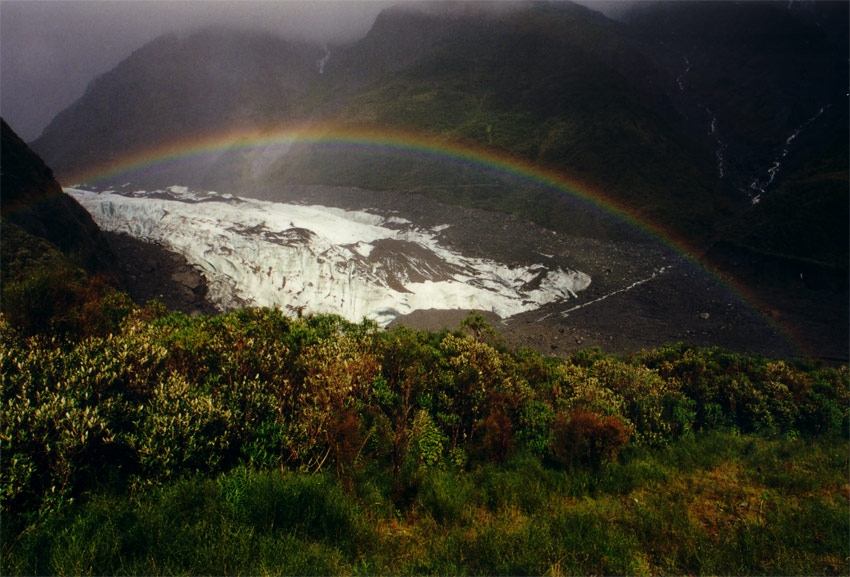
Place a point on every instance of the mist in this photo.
(50, 50)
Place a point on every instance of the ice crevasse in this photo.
(318, 259)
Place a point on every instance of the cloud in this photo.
(50, 50)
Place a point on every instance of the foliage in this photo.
(167, 397)
(722, 503)
(587, 438)
(61, 300)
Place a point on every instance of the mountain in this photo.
(554, 84)
(722, 124)
(678, 113)
(752, 75)
(175, 88)
(36, 210)
(768, 84)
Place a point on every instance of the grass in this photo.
(715, 503)
(251, 443)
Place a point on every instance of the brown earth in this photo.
(642, 294)
(154, 272)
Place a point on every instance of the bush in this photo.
(587, 438)
(63, 301)
(534, 429)
(182, 430)
(493, 436)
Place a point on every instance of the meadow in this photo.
(141, 441)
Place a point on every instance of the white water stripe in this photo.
(655, 273)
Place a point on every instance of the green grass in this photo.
(252, 443)
(707, 504)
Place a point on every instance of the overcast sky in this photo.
(51, 49)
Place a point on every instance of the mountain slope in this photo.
(768, 84)
(174, 89)
(34, 202)
(552, 84)
(751, 75)
(543, 84)
(672, 113)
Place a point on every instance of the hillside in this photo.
(721, 125)
(34, 205)
(544, 85)
(256, 443)
(176, 88)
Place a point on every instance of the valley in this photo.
(482, 288)
(425, 265)
(719, 127)
(522, 144)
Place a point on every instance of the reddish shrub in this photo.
(344, 439)
(495, 436)
(587, 438)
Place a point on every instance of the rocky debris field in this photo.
(153, 272)
(642, 294)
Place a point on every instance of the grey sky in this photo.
(51, 49)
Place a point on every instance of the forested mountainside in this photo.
(678, 112)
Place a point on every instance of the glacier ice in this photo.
(319, 259)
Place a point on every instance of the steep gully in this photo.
(760, 184)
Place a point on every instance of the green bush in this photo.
(166, 395)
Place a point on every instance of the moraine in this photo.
(319, 259)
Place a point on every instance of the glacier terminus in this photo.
(320, 259)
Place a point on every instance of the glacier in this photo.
(319, 259)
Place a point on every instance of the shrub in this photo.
(344, 439)
(534, 429)
(647, 400)
(825, 409)
(426, 441)
(473, 370)
(181, 429)
(493, 436)
(62, 301)
(335, 374)
(587, 438)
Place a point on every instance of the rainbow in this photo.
(422, 146)
(384, 140)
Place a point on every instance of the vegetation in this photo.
(607, 134)
(255, 443)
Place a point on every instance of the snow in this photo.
(323, 260)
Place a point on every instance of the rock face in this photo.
(319, 259)
(33, 200)
(154, 272)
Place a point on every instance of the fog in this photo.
(51, 49)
